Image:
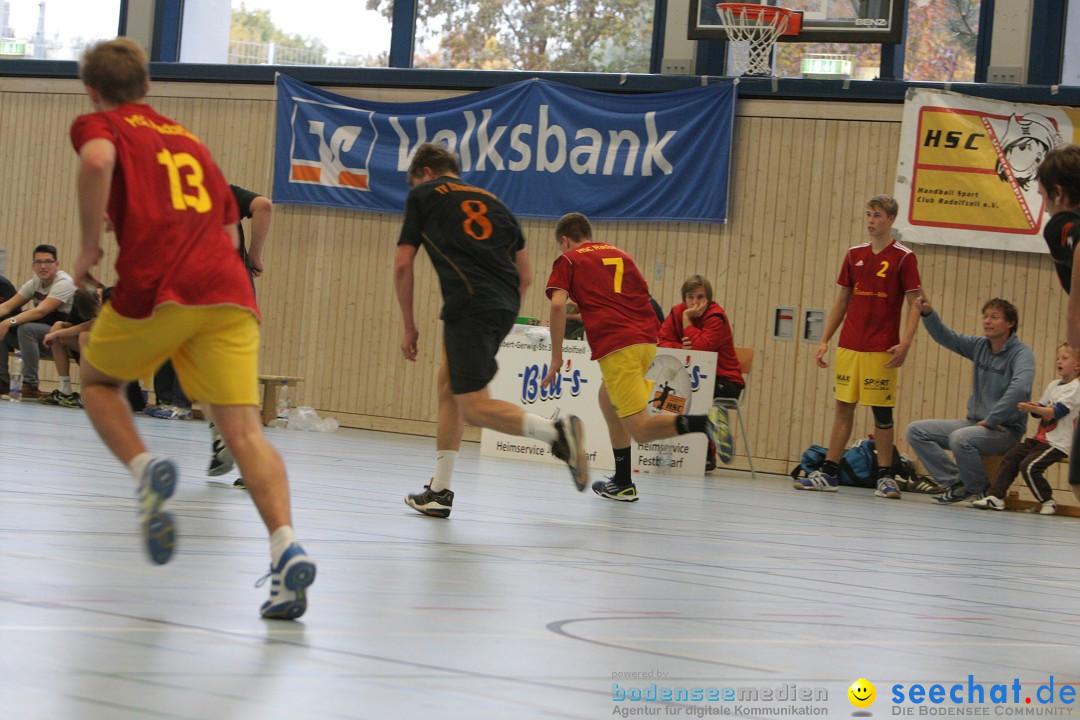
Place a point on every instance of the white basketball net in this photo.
(752, 36)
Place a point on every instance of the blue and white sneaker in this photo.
(956, 493)
(720, 433)
(157, 484)
(887, 488)
(295, 571)
(817, 480)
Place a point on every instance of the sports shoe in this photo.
(221, 458)
(29, 392)
(52, 398)
(157, 484)
(613, 491)
(887, 488)
(1048, 508)
(429, 502)
(989, 502)
(71, 401)
(954, 494)
(570, 448)
(720, 433)
(169, 412)
(817, 480)
(295, 571)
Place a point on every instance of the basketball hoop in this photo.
(753, 30)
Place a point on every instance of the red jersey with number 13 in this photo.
(611, 295)
(169, 204)
(879, 282)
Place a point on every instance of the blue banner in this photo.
(545, 149)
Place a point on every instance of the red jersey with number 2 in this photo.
(879, 282)
(611, 295)
(169, 204)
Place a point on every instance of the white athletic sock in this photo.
(139, 463)
(65, 385)
(444, 469)
(539, 428)
(280, 541)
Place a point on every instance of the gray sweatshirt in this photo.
(998, 381)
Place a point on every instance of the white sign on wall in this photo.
(683, 382)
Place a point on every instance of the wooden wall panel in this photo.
(800, 175)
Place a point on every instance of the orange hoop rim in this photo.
(766, 14)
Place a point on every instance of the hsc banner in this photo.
(545, 149)
(966, 169)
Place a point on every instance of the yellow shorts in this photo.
(214, 349)
(861, 377)
(624, 377)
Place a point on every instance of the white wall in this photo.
(1070, 71)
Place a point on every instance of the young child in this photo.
(1056, 411)
(1059, 186)
(874, 281)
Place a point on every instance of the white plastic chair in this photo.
(746, 361)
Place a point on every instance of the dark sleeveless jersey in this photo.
(1062, 232)
(472, 239)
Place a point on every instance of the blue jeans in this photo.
(968, 442)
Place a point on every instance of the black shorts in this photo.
(471, 345)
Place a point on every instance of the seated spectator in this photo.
(11, 340)
(65, 340)
(1003, 370)
(1056, 412)
(699, 323)
(51, 292)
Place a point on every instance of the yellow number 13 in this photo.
(618, 263)
(200, 202)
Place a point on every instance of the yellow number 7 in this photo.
(618, 263)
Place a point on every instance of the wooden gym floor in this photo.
(531, 601)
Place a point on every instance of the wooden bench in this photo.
(271, 385)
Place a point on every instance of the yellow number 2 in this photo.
(884, 267)
(618, 263)
(200, 202)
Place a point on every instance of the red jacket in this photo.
(710, 332)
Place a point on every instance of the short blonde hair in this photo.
(117, 69)
(884, 202)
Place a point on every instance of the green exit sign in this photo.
(13, 48)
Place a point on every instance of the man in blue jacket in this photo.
(1002, 376)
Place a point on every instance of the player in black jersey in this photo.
(1059, 185)
(478, 250)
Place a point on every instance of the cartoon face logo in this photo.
(862, 693)
(1026, 141)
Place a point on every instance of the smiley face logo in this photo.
(862, 693)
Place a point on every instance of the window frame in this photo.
(1046, 63)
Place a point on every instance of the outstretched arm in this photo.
(403, 284)
(260, 229)
(558, 332)
(97, 158)
(836, 316)
(899, 352)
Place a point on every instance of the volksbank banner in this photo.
(545, 149)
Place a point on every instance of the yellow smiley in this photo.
(862, 693)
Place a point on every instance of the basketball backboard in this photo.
(830, 21)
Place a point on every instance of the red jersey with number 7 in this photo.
(611, 295)
(879, 282)
(169, 205)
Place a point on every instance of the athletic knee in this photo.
(883, 417)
